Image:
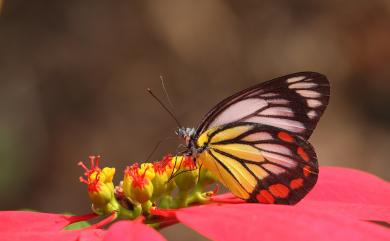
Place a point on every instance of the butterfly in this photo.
(255, 141)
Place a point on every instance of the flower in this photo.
(345, 204)
(137, 183)
(100, 187)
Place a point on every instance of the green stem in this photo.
(127, 214)
(181, 200)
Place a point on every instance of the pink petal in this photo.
(352, 210)
(131, 230)
(39, 236)
(74, 235)
(276, 222)
(20, 221)
(91, 235)
(346, 185)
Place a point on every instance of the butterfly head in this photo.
(186, 133)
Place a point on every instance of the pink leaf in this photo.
(91, 235)
(74, 235)
(131, 230)
(346, 185)
(357, 211)
(39, 236)
(32, 221)
(276, 222)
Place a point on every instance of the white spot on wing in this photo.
(238, 111)
(313, 103)
(290, 125)
(311, 114)
(278, 111)
(309, 93)
(302, 85)
(295, 79)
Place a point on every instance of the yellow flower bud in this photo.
(100, 186)
(136, 184)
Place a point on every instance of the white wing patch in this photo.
(239, 110)
(278, 111)
(295, 79)
(279, 159)
(278, 101)
(274, 169)
(313, 103)
(287, 124)
(312, 114)
(308, 93)
(258, 136)
(303, 88)
(274, 147)
(302, 85)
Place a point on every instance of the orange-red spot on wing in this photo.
(265, 197)
(279, 190)
(302, 154)
(284, 136)
(296, 183)
(306, 170)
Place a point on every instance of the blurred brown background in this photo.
(73, 76)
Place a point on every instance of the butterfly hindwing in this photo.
(260, 163)
(293, 102)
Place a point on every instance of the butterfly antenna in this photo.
(157, 145)
(166, 92)
(165, 108)
(200, 168)
(173, 170)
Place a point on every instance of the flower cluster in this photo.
(173, 182)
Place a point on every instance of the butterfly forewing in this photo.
(260, 163)
(293, 102)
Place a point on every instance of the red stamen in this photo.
(138, 180)
(93, 186)
(93, 170)
(161, 166)
(97, 159)
(189, 162)
(92, 161)
(132, 170)
(83, 166)
(83, 180)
